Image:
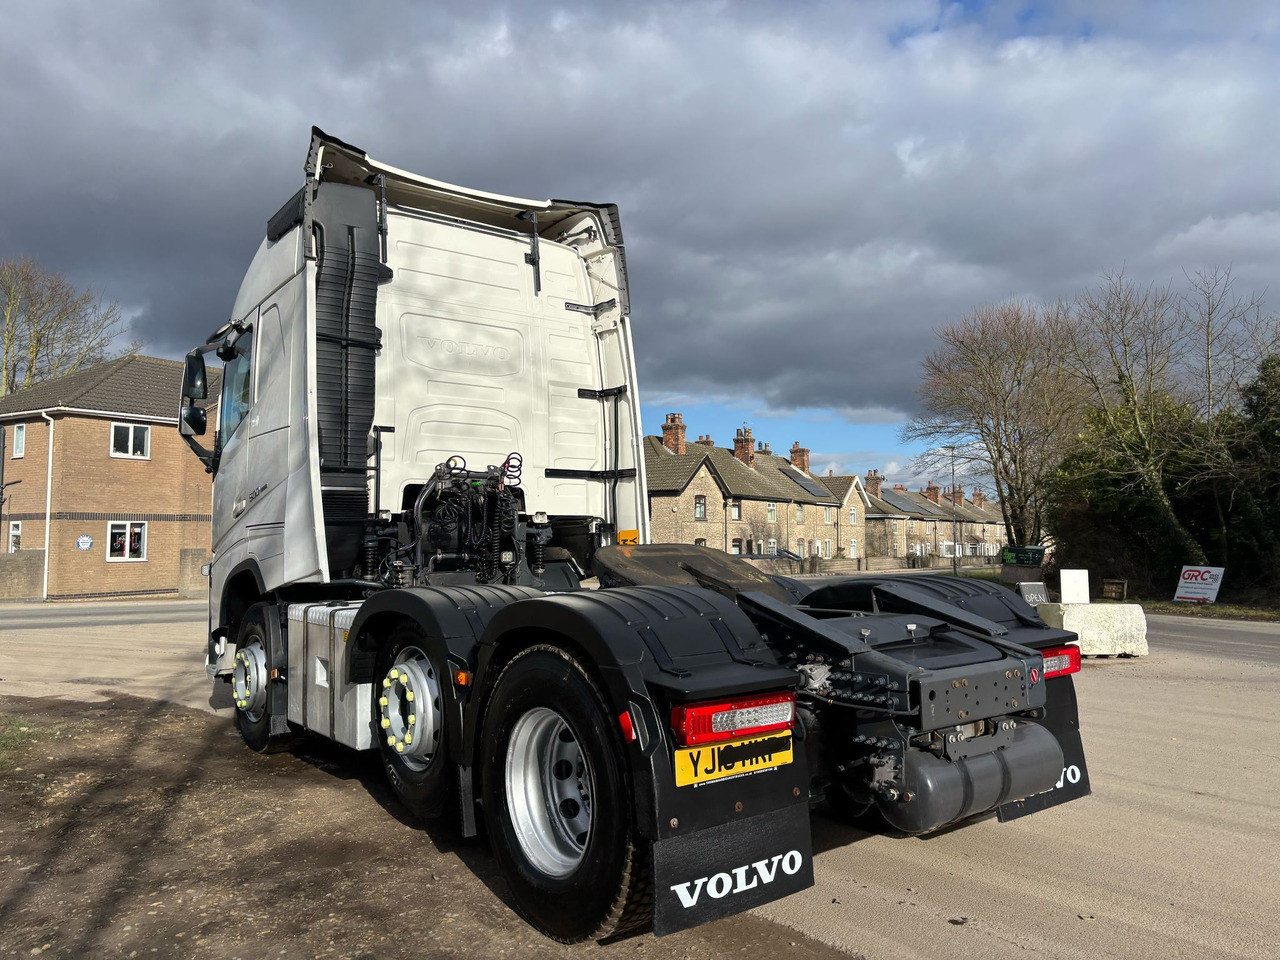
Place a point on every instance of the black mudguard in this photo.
(1062, 719)
(721, 846)
(452, 619)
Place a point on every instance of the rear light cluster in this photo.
(699, 723)
(1059, 661)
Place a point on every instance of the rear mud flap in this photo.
(1062, 719)
(733, 867)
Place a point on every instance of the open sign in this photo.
(1199, 584)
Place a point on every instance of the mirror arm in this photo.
(206, 456)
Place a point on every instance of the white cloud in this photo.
(808, 191)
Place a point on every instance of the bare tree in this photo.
(49, 327)
(998, 396)
(1164, 373)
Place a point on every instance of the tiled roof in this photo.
(133, 385)
(670, 472)
(840, 486)
(880, 507)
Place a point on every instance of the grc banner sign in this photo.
(1199, 584)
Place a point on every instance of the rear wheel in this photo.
(250, 683)
(408, 720)
(558, 804)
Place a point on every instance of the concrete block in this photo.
(1104, 629)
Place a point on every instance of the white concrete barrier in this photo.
(1105, 629)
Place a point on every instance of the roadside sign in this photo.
(1199, 584)
(1034, 593)
(84, 542)
(1074, 586)
(1023, 556)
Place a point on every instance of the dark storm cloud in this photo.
(808, 190)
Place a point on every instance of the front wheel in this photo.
(250, 682)
(557, 801)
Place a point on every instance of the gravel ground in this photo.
(132, 828)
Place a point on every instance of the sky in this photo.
(808, 190)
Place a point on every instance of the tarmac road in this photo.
(1175, 855)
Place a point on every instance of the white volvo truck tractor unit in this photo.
(428, 435)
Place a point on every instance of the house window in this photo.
(896, 528)
(771, 511)
(735, 547)
(853, 514)
(19, 440)
(911, 526)
(700, 542)
(773, 545)
(826, 549)
(800, 546)
(699, 508)
(829, 514)
(15, 536)
(853, 549)
(131, 441)
(735, 510)
(799, 513)
(126, 540)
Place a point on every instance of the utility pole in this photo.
(955, 539)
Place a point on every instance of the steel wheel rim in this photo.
(249, 681)
(549, 791)
(409, 708)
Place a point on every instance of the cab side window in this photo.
(237, 386)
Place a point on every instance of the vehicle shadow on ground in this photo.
(90, 831)
(444, 833)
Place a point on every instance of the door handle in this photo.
(239, 507)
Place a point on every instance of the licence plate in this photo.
(733, 758)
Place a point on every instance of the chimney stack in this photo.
(705, 441)
(800, 457)
(979, 498)
(872, 482)
(673, 433)
(744, 446)
(933, 492)
(955, 495)
(899, 486)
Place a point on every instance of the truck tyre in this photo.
(250, 682)
(558, 801)
(408, 721)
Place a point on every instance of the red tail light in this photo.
(729, 719)
(1059, 661)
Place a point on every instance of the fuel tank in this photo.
(942, 791)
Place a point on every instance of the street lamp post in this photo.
(955, 540)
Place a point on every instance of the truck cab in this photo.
(389, 323)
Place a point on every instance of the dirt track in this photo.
(129, 828)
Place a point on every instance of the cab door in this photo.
(230, 493)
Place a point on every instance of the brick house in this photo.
(746, 500)
(101, 496)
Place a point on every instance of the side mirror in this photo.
(192, 420)
(195, 384)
